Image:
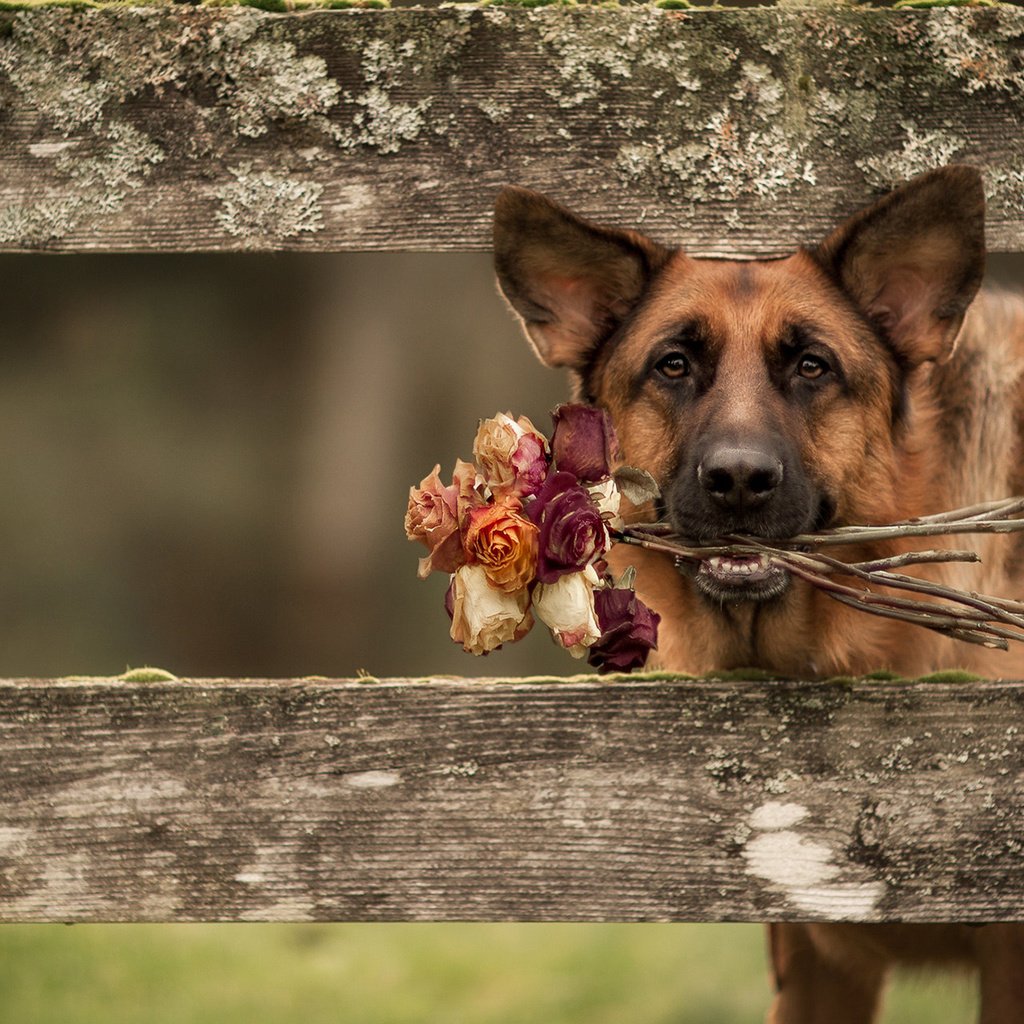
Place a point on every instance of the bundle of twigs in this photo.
(974, 618)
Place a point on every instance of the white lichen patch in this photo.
(385, 124)
(494, 110)
(71, 71)
(1005, 188)
(804, 867)
(267, 81)
(588, 55)
(261, 206)
(757, 87)
(976, 57)
(728, 160)
(76, 73)
(102, 170)
(920, 151)
(390, 67)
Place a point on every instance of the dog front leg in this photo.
(1000, 952)
(811, 988)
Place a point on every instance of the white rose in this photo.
(484, 617)
(607, 498)
(567, 608)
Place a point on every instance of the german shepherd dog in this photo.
(865, 380)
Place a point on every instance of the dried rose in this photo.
(608, 498)
(572, 532)
(629, 631)
(484, 618)
(584, 441)
(530, 461)
(504, 543)
(567, 608)
(469, 486)
(433, 519)
(512, 454)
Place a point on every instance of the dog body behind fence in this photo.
(862, 381)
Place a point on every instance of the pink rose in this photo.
(629, 631)
(483, 617)
(432, 518)
(566, 607)
(584, 442)
(512, 454)
(572, 530)
(435, 514)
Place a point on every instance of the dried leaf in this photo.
(637, 485)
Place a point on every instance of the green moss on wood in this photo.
(148, 674)
(950, 676)
(945, 3)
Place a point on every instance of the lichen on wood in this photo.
(740, 132)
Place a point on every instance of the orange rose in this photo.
(503, 543)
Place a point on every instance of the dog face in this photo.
(767, 398)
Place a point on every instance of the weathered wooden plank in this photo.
(484, 800)
(741, 132)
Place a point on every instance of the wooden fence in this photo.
(741, 132)
(451, 799)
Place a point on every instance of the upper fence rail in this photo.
(736, 132)
(451, 799)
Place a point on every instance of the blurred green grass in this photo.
(409, 974)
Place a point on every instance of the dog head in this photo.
(767, 398)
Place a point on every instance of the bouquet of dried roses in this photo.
(523, 533)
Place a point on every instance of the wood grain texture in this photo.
(453, 799)
(737, 132)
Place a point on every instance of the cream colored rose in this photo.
(566, 607)
(484, 617)
(497, 442)
(607, 498)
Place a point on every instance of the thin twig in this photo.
(968, 616)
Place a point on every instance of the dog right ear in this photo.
(571, 282)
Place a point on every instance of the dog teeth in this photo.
(728, 566)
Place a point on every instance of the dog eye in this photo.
(812, 367)
(674, 366)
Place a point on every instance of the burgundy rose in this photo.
(629, 631)
(572, 532)
(584, 442)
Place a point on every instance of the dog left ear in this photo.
(914, 260)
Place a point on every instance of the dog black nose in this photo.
(739, 478)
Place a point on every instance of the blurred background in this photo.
(206, 463)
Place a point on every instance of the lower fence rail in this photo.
(158, 799)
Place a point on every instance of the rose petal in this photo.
(483, 617)
(629, 631)
(583, 442)
(572, 532)
(566, 607)
(504, 543)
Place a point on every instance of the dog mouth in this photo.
(727, 578)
